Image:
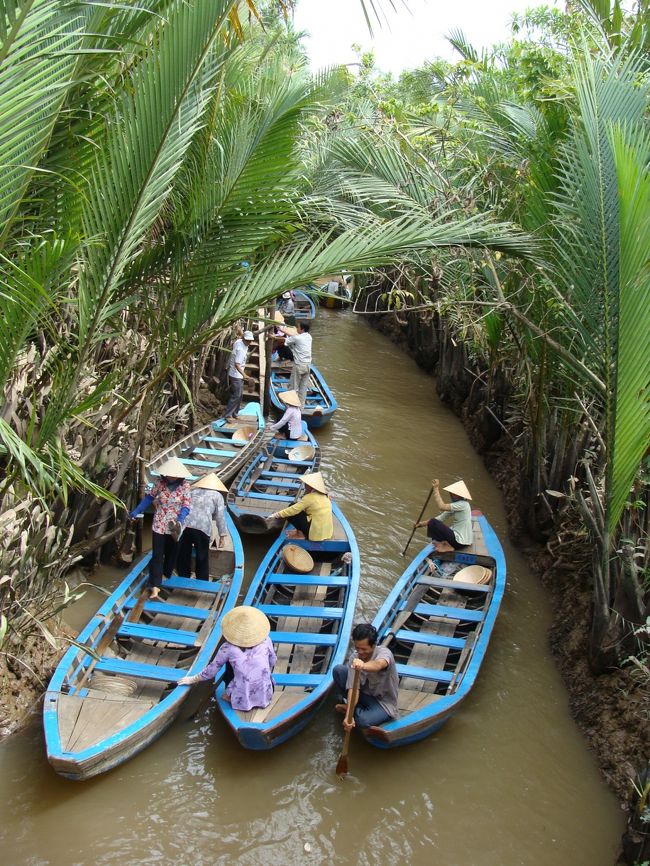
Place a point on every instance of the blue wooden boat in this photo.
(304, 306)
(270, 480)
(115, 691)
(438, 624)
(320, 404)
(311, 620)
(216, 447)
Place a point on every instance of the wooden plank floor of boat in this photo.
(83, 722)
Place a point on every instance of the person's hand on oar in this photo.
(348, 722)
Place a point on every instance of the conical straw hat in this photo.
(245, 626)
(470, 574)
(173, 468)
(297, 558)
(244, 434)
(291, 398)
(315, 480)
(211, 481)
(459, 488)
(301, 452)
(278, 317)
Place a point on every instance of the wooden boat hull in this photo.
(212, 447)
(305, 309)
(269, 482)
(449, 687)
(321, 403)
(319, 613)
(89, 727)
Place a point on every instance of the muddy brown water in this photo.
(508, 781)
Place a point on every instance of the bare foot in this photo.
(341, 708)
(443, 547)
(225, 697)
(154, 595)
(294, 533)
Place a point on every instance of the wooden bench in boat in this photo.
(287, 610)
(155, 607)
(443, 610)
(141, 631)
(431, 639)
(139, 670)
(278, 577)
(309, 638)
(192, 584)
(420, 673)
(443, 583)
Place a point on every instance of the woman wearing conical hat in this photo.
(249, 657)
(207, 505)
(459, 533)
(171, 500)
(312, 514)
(290, 425)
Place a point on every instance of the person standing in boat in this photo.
(300, 345)
(287, 307)
(459, 534)
(171, 500)
(378, 684)
(249, 657)
(207, 505)
(311, 515)
(290, 425)
(237, 374)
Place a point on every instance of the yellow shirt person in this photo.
(312, 514)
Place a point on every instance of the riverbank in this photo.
(612, 709)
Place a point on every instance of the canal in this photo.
(508, 781)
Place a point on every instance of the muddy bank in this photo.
(613, 709)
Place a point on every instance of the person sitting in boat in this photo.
(378, 683)
(288, 308)
(249, 657)
(207, 505)
(290, 425)
(171, 500)
(311, 515)
(459, 534)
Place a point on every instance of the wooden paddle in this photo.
(103, 644)
(415, 526)
(342, 765)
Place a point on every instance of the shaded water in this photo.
(508, 781)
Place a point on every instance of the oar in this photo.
(424, 508)
(103, 644)
(342, 766)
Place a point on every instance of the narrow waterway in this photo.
(508, 781)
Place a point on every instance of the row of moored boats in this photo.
(116, 689)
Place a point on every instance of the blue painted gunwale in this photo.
(228, 458)
(276, 449)
(324, 399)
(266, 735)
(436, 714)
(135, 737)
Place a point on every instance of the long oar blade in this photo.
(342, 764)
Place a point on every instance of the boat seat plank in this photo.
(303, 680)
(300, 637)
(192, 584)
(454, 584)
(224, 440)
(141, 631)
(292, 462)
(289, 610)
(274, 496)
(155, 607)
(431, 639)
(109, 665)
(306, 579)
(214, 452)
(444, 610)
(188, 461)
(272, 482)
(424, 673)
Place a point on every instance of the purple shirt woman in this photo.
(249, 655)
